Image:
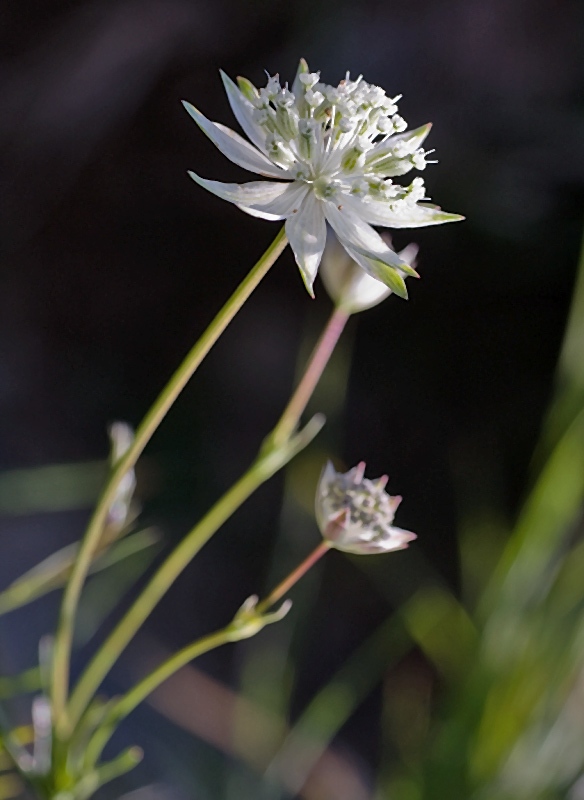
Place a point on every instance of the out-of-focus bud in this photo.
(355, 514)
(249, 620)
(350, 288)
(121, 438)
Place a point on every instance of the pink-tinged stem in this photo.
(285, 586)
(318, 361)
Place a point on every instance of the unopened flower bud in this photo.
(348, 285)
(248, 621)
(121, 438)
(355, 514)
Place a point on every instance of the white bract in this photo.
(355, 514)
(121, 438)
(336, 150)
(350, 288)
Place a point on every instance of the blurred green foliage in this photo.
(497, 711)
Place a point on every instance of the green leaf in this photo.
(53, 571)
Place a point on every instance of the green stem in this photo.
(232, 632)
(260, 471)
(90, 541)
(277, 450)
(93, 780)
(140, 692)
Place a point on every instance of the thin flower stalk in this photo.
(123, 707)
(276, 446)
(250, 619)
(284, 586)
(93, 533)
(305, 389)
(266, 465)
(352, 490)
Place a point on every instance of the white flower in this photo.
(355, 514)
(349, 287)
(337, 149)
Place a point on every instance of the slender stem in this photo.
(318, 361)
(155, 589)
(95, 779)
(259, 472)
(64, 633)
(284, 586)
(147, 685)
(277, 451)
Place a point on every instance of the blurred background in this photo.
(389, 678)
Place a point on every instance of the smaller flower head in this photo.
(350, 287)
(355, 514)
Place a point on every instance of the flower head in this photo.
(336, 150)
(355, 514)
(349, 287)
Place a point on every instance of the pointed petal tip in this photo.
(409, 270)
(192, 110)
(227, 81)
(329, 472)
(448, 216)
(308, 285)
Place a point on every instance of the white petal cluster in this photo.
(336, 150)
(355, 514)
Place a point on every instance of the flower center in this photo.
(324, 187)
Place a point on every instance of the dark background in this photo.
(113, 262)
